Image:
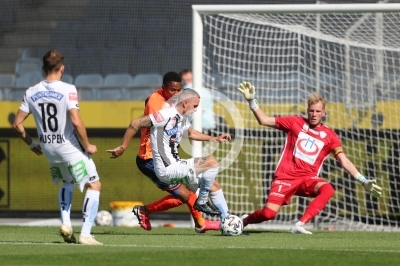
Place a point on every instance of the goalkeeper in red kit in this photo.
(308, 143)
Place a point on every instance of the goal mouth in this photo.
(350, 54)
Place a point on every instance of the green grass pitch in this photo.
(177, 246)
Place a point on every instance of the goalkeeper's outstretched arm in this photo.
(249, 93)
(368, 184)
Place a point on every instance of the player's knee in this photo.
(182, 193)
(327, 190)
(268, 213)
(212, 162)
(94, 186)
(215, 187)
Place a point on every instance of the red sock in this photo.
(197, 216)
(212, 225)
(259, 216)
(325, 192)
(163, 204)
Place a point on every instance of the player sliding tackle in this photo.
(167, 128)
(308, 143)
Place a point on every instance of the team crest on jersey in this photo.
(307, 148)
(158, 117)
(73, 96)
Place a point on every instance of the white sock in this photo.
(207, 180)
(300, 223)
(89, 210)
(64, 199)
(218, 200)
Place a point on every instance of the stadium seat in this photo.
(6, 82)
(115, 86)
(29, 79)
(67, 78)
(144, 84)
(87, 84)
(153, 80)
(22, 83)
(139, 94)
(120, 79)
(26, 65)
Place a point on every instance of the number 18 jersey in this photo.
(49, 102)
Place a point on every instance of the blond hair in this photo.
(314, 98)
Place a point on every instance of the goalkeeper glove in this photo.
(249, 92)
(369, 185)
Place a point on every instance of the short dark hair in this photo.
(171, 77)
(52, 61)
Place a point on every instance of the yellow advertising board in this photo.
(108, 114)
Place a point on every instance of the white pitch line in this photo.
(197, 247)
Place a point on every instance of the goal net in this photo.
(348, 53)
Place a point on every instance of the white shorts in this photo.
(181, 172)
(79, 171)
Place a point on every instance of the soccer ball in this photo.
(103, 218)
(231, 225)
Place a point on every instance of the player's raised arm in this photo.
(196, 135)
(130, 132)
(368, 184)
(249, 92)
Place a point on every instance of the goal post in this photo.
(350, 53)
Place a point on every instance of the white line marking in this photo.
(199, 247)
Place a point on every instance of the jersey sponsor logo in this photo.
(276, 194)
(78, 171)
(46, 94)
(158, 117)
(173, 131)
(180, 180)
(73, 96)
(307, 148)
(282, 183)
(51, 138)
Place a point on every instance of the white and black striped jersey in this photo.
(165, 136)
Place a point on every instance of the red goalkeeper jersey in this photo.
(305, 148)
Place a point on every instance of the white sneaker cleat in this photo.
(88, 240)
(298, 229)
(67, 233)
